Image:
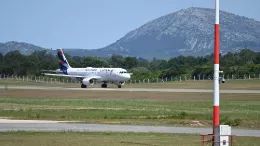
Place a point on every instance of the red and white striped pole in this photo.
(216, 70)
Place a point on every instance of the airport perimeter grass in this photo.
(108, 139)
(140, 108)
(207, 84)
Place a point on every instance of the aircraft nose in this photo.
(127, 76)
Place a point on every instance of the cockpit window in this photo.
(121, 72)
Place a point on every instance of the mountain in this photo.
(27, 49)
(188, 32)
(185, 32)
(24, 48)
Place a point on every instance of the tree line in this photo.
(238, 64)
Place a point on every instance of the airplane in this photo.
(89, 75)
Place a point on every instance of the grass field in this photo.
(108, 139)
(140, 108)
(230, 84)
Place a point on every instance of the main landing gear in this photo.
(83, 86)
(104, 85)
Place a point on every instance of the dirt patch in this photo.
(195, 123)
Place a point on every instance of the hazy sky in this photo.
(93, 24)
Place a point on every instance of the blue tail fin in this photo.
(64, 65)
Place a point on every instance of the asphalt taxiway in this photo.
(55, 126)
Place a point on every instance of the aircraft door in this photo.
(112, 75)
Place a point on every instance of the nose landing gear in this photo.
(104, 85)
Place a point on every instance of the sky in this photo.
(93, 24)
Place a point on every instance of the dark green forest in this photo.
(236, 64)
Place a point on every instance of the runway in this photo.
(130, 89)
(61, 127)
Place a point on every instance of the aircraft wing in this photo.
(74, 76)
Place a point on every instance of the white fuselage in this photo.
(104, 74)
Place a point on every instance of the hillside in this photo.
(188, 32)
(185, 32)
(23, 47)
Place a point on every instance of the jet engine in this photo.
(88, 81)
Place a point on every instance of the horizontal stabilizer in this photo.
(49, 70)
